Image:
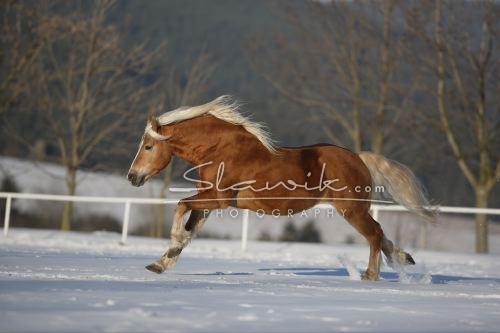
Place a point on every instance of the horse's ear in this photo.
(154, 123)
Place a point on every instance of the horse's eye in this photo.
(148, 147)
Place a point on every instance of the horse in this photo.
(260, 176)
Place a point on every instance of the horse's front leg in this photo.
(180, 235)
(179, 238)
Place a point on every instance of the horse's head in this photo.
(153, 155)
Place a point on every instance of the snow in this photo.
(72, 282)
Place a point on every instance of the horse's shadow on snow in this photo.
(216, 273)
(389, 276)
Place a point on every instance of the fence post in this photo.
(6, 220)
(375, 213)
(126, 219)
(244, 231)
(423, 235)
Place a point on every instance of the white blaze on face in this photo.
(137, 154)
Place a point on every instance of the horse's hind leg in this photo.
(394, 254)
(371, 230)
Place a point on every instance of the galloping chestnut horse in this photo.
(259, 176)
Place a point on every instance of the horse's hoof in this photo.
(408, 259)
(155, 268)
(369, 277)
(400, 258)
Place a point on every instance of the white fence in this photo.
(127, 202)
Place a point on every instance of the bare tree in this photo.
(88, 84)
(463, 65)
(340, 60)
(487, 160)
(19, 48)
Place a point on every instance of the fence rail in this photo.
(127, 202)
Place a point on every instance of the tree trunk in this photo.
(378, 141)
(357, 138)
(378, 135)
(68, 206)
(482, 221)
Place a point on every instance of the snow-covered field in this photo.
(71, 282)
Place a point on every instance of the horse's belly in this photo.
(279, 202)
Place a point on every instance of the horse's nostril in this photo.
(131, 176)
(135, 178)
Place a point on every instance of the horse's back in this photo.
(315, 146)
(338, 162)
(344, 164)
(329, 154)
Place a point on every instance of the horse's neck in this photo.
(197, 139)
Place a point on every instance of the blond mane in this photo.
(224, 108)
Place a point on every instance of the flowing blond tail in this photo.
(400, 182)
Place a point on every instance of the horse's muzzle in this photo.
(136, 179)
